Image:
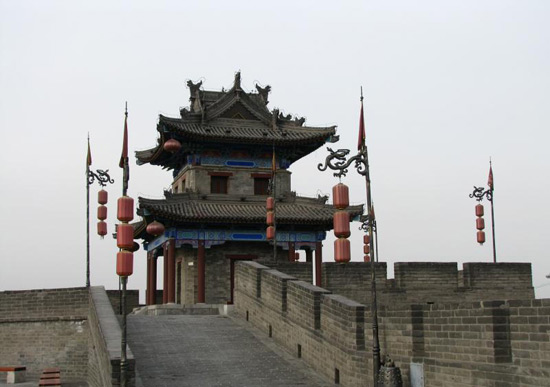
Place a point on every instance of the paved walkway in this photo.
(210, 351)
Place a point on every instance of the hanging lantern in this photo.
(102, 197)
(102, 228)
(124, 263)
(172, 145)
(366, 249)
(366, 239)
(155, 228)
(125, 209)
(270, 203)
(340, 196)
(480, 223)
(366, 258)
(341, 224)
(481, 237)
(270, 233)
(125, 236)
(102, 212)
(479, 210)
(270, 218)
(342, 252)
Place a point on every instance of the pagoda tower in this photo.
(223, 151)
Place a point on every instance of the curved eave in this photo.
(201, 212)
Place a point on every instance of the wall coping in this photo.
(108, 323)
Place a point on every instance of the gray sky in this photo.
(447, 85)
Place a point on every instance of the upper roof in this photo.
(233, 117)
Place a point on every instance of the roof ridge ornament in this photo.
(237, 83)
(264, 92)
(274, 117)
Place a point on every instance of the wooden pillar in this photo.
(291, 251)
(318, 263)
(201, 273)
(149, 278)
(309, 255)
(154, 259)
(165, 277)
(171, 253)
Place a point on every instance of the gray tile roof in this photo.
(221, 209)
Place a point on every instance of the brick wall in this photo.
(430, 282)
(104, 344)
(44, 328)
(132, 300)
(487, 343)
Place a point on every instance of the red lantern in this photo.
(270, 218)
(155, 228)
(125, 209)
(340, 196)
(341, 224)
(366, 258)
(172, 145)
(479, 210)
(125, 236)
(102, 228)
(124, 263)
(270, 203)
(481, 237)
(366, 249)
(366, 239)
(102, 197)
(102, 212)
(342, 252)
(270, 233)
(480, 223)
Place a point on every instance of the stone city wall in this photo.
(45, 328)
(487, 343)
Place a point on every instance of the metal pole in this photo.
(123, 365)
(374, 305)
(493, 226)
(87, 224)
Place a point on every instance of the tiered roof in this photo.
(233, 117)
(231, 209)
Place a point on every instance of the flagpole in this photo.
(124, 279)
(491, 187)
(337, 161)
(88, 160)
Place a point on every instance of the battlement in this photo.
(483, 341)
(429, 282)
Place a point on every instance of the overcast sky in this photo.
(447, 85)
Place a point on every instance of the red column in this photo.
(291, 251)
(318, 261)
(154, 277)
(171, 253)
(165, 277)
(201, 273)
(149, 279)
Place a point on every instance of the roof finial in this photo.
(237, 84)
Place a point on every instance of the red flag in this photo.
(361, 141)
(124, 155)
(89, 157)
(490, 181)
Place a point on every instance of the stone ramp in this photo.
(210, 350)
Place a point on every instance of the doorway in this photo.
(232, 259)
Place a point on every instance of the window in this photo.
(218, 184)
(261, 185)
